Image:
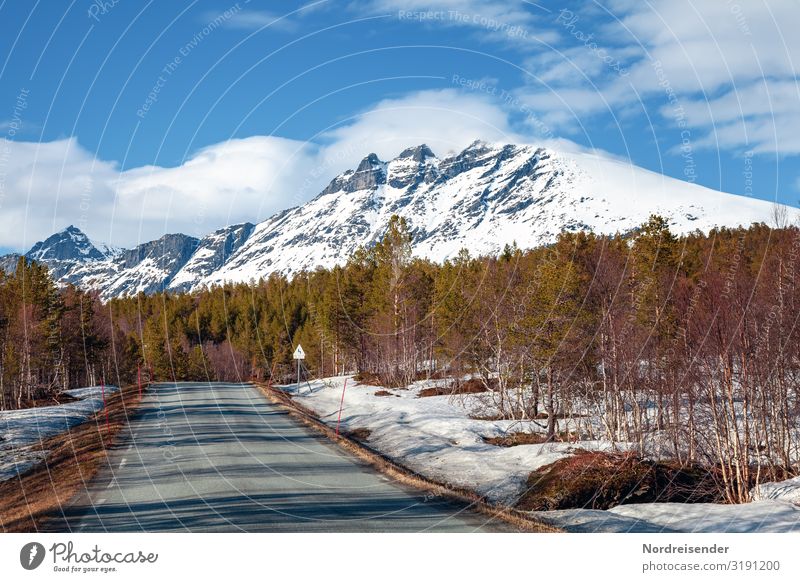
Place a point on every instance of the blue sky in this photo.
(131, 119)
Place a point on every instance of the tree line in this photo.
(684, 346)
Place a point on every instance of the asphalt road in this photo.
(221, 457)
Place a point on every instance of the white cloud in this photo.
(50, 185)
(45, 186)
(447, 120)
(234, 181)
(732, 66)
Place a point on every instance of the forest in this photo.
(684, 346)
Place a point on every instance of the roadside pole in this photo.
(139, 378)
(341, 405)
(103, 391)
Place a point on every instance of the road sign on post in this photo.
(299, 354)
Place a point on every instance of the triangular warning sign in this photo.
(299, 354)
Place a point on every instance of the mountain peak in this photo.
(418, 153)
(66, 247)
(370, 172)
(369, 163)
(477, 145)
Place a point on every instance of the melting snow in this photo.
(22, 430)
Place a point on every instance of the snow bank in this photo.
(20, 430)
(759, 516)
(788, 490)
(435, 437)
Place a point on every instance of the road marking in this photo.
(100, 501)
(122, 462)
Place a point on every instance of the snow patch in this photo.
(22, 430)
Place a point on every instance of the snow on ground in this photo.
(773, 516)
(788, 490)
(20, 430)
(435, 437)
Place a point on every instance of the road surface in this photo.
(221, 457)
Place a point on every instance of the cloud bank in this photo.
(50, 185)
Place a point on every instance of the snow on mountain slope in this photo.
(481, 199)
(145, 269)
(212, 252)
(68, 249)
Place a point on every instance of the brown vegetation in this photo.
(529, 438)
(359, 434)
(72, 460)
(596, 480)
(472, 386)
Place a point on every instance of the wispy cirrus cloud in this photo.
(256, 19)
(731, 68)
(514, 24)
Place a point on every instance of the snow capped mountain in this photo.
(482, 198)
(147, 268)
(68, 249)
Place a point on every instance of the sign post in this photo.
(299, 354)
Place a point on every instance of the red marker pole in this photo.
(103, 389)
(341, 404)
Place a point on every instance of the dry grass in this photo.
(359, 434)
(378, 461)
(517, 438)
(368, 378)
(73, 459)
(49, 401)
(529, 438)
(597, 480)
(488, 417)
(472, 386)
(385, 393)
